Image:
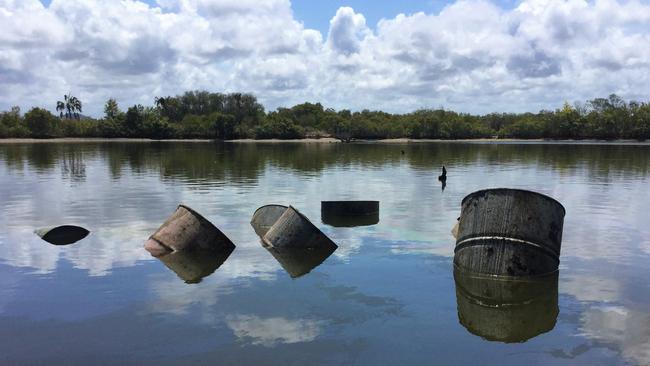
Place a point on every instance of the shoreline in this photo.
(323, 140)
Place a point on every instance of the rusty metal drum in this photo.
(509, 232)
(265, 216)
(184, 230)
(294, 230)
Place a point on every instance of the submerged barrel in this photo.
(62, 235)
(265, 216)
(184, 230)
(506, 310)
(294, 230)
(509, 232)
(349, 213)
(349, 208)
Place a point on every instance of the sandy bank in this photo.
(326, 140)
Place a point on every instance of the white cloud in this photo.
(269, 332)
(472, 56)
(627, 329)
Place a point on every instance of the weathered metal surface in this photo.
(300, 261)
(506, 310)
(265, 216)
(349, 208)
(509, 232)
(62, 235)
(184, 230)
(294, 230)
(193, 265)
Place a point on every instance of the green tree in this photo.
(111, 109)
(41, 123)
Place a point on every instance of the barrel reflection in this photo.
(506, 310)
(194, 265)
(298, 262)
(350, 221)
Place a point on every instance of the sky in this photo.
(475, 56)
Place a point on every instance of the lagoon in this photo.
(387, 295)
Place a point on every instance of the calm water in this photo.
(387, 295)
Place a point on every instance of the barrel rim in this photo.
(350, 201)
(49, 229)
(518, 190)
(193, 211)
(269, 205)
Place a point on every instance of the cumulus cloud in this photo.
(269, 332)
(473, 55)
(623, 328)
(347, 29)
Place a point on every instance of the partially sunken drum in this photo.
(186, 229)
(506, 310)
(265, 216)
(294, 230)
(62, 235)
(349, 208)
(193, 265)
(509, 232)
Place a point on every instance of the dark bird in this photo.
(402, 152)
(443, 177)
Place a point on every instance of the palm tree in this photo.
(60, 107)
(71, 105)
(75, 103)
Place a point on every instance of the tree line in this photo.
(206, 115)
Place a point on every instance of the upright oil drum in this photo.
(509, 232)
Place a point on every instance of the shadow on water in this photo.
(506, 310)
(192, 266)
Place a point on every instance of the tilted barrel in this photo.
(294, 230)
(186, 229)
(265, 216)
(506, 309)
(509, 232)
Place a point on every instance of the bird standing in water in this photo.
(443, 177)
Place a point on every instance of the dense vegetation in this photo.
(200, 114)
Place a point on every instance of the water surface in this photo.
(387, 295)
